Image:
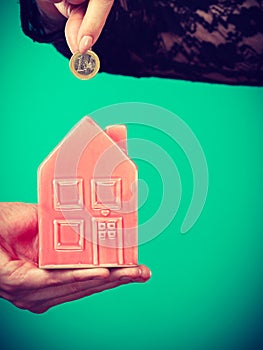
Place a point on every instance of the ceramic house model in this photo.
(87, 191)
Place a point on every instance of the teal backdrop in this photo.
(207, 285)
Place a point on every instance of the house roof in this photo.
(69, 151)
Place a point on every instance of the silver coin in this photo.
(84, 66)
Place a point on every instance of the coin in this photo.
(84, 66)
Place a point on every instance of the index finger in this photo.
(93, 23)
(19, 275)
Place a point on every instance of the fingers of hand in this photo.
(72, 28)
(140, 273)
(25, 283)
(42, 307)
(26, 275)
(42, 299)
(85, 24)
(117, 278)
(29, 287)
(58, 277)
(93, 23)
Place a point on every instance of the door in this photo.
(107, 241)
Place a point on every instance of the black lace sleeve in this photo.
(211, 41)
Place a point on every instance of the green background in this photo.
(206, 288)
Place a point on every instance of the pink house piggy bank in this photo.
(87, 190)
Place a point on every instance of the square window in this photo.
(111, 225)
(102, 234)
(69, 235)
(106, 193)
(112, 234)
(68, 194)
(101, 226)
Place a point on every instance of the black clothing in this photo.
(212, 41)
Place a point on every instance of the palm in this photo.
(18, 232)
(27, 286)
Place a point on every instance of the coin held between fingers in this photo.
(84, 66)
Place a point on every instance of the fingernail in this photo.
(85, 43)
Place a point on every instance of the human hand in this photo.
(37, 290)
(85, 19)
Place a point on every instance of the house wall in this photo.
(99, 161)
